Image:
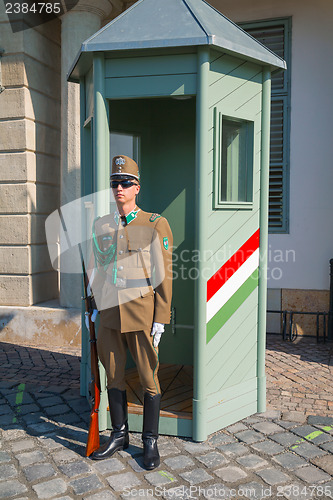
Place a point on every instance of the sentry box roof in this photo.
(156, 24)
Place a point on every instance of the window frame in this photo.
(284, 95)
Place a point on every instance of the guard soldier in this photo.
(129, 247)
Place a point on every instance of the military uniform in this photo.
(124, 293)
(132, 287)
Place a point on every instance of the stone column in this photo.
(78, 24)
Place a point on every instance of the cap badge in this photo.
(120, 161)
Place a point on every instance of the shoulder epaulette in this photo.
(153, 217)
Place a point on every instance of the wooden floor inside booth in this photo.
(176, 383)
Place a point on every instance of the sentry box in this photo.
(186, 92)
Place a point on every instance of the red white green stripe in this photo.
(230, 286)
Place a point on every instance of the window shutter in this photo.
(275, 36)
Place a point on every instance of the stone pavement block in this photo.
(133, 451)
(41, 471)
(307, 450)
(107, 466)
(121, 481)
(102, 495)
(221, 438)
(160, 478)
(30, 457)
(237, 428)
(250, 437)
(196, 476)
(63, 456)
(51, 488)
(75, 468)
(41, 428)
(289, 460)
(267, 427)
(49, 400)
(273, 476)
(7, 471)
(285, 438)
(268, 447)
(50, 441)
(312, 434)
(5, 409)
(328, 447)
(311, 474)
(57, 409)
(270, 414)
(294, 416)
(325, 463)
(4, 457)
(254, 490)
(25, 398)
(33, 418)
(251, 461)
(86, 484)
(318, 420)
(8, 419)
(212, 459)
(286, 424)
(230, 474)
(179, 462)
(233, 449)
(22, 445)
(26, 409)
(11, 488)
(195, 448)
(166, 450)
(137, 464)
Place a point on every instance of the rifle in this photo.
(95, 384)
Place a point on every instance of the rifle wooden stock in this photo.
(95, 385)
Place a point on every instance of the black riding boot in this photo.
(119, 435)
(151, 415)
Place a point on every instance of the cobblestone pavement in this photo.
(284, 453)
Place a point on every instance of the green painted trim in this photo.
(101, 137)
(230, 307)
(167, 426)
(200, 239)
(150, 65)
(263, 246)
(150, 86)
(84, 340)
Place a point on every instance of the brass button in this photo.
(120, 268)
(121, 236)
(121, 252)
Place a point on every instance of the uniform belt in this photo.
(132, 283)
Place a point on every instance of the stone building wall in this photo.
(29, 159)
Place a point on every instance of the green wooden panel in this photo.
(247, 357)
(89, 94)
(167, 426)
(229, 393)
(238, 350)
(223, 65)
(238, 412)
(246, 314)
(150, 86)
(231, 405)
(152, 65)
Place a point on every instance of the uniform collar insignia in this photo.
(129, 217)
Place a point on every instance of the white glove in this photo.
(93, 317)
(157, 330)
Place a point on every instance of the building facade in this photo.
(40, 144)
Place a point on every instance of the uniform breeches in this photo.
(112, 351)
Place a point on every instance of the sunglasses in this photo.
(124, 184)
